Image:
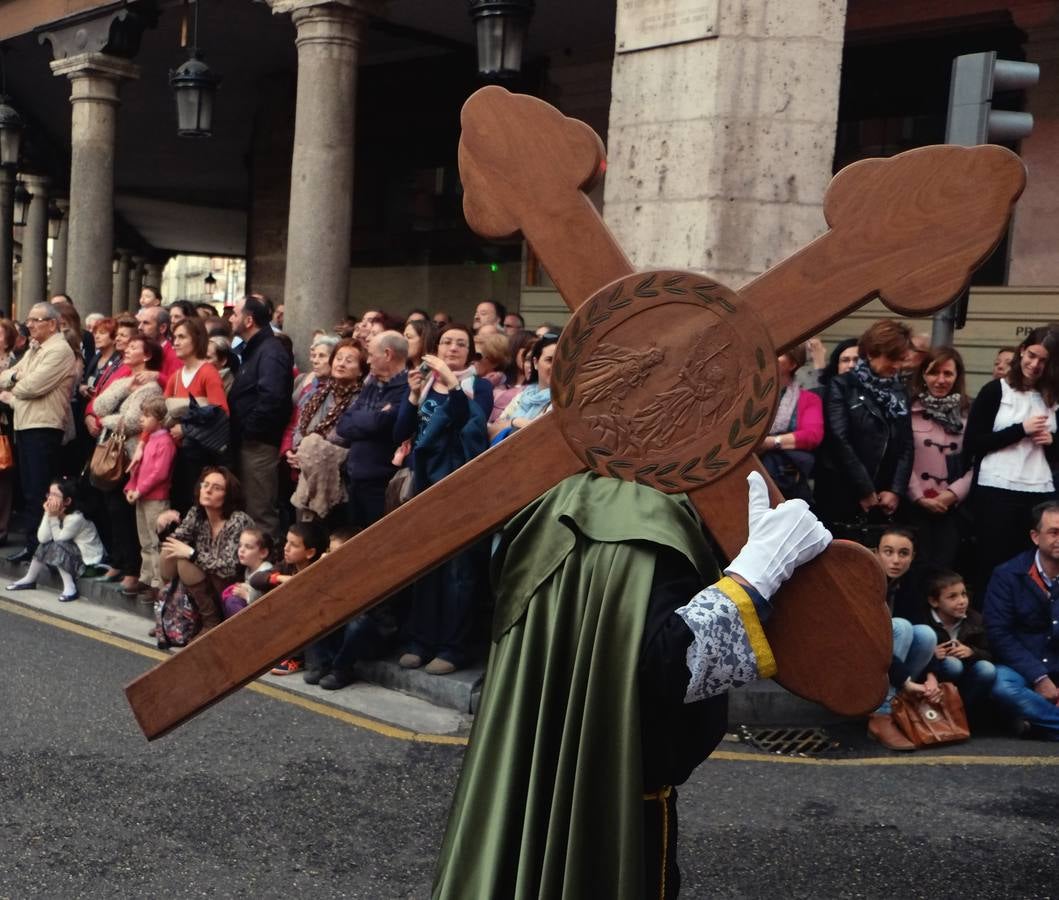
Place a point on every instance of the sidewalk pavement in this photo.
(410, 699)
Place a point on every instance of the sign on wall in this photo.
(642, 24)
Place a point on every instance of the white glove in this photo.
(780, 540)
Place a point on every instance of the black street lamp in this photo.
(501, 27)
(21, 204)
(55, 220)
(194, 85)
(211, 283)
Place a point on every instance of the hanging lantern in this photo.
(211, 283)
(55, 220)
(21, 204)
(501, 27)
(194, 84)
(11, 127)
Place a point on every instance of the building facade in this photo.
(332, 164)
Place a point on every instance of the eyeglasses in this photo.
(212, 487)
(33, 320)
(451, 342)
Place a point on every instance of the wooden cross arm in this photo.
(910, 229)
(432, 527)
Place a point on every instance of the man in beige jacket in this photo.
(39, 388)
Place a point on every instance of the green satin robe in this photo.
(549, 802)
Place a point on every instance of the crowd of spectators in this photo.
(228, 451)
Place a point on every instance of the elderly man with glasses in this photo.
(38, 388)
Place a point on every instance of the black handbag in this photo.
(866, 529)
(206, 427)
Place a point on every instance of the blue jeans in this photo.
(358, 639)
(1012, 692)
(914, 646)
(974, 680)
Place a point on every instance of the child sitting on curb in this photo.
(68, 541)
(306, 543)
(962, 655)
(330, 661)
(255, 551)
(913, 645)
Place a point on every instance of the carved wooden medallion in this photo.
(664, 378)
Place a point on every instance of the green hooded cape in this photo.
(550, 801)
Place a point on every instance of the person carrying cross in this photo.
(606, 686)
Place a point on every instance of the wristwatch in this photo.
(192, 555)
(777, 443)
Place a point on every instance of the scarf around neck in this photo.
(786, 419)
(343, 396)
(943, 410)
(889, 393)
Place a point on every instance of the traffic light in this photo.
(976, 78)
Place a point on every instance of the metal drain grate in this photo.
(788, 741)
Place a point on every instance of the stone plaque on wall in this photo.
(642, 24)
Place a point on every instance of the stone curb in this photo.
(760, 704)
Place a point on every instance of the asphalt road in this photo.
(260, 797)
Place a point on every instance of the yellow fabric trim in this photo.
(733, 590)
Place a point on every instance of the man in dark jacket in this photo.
(1022, 620)
(260, 405)
(368, 427)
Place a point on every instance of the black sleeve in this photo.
(836, 420)
(905, 454)
(675, 736)
(979, 438)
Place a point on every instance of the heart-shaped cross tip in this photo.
(935, 213)
(520, 160)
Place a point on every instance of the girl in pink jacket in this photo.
(150, 477)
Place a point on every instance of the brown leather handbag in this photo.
(926, 724)
(7, 455)
(106, 468)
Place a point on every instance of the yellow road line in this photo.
(391, 731)
(403, 734)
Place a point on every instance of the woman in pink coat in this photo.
(938, 486)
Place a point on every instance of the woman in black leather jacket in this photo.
(866, 458)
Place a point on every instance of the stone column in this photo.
(34, 285)
(119, 301)
(152, 276)
(58, 251)
(7, 240)
(95, 79)
(319, 226)
(721, 147)
(135, 283)
(1032, 251)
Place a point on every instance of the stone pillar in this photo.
(135, 282)
(7, 241)
(721, 147)
(152, 276)
(1034, 260)
(95, 79)
(33, 287)
(319, 227)
(119, 301)
(58, 251)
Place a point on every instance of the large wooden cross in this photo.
(664, 377)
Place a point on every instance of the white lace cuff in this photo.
(729, 647)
